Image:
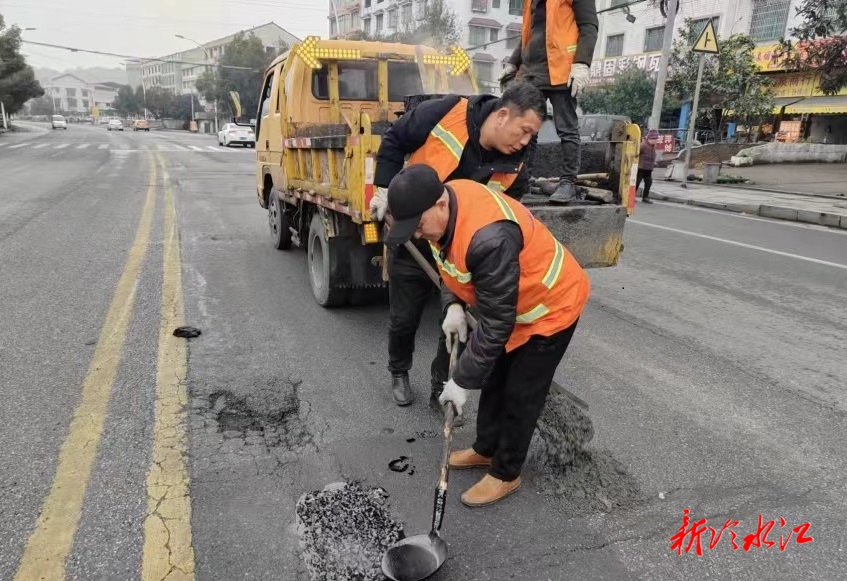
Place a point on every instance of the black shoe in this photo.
(646, 201)
(401, 390)
(564, 193)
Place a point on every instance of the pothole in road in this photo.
(344, 531)
(271, 414)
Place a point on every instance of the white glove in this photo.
(456, 323)
(379, 204)
(508, 71)
(455, 394)
(578, 79)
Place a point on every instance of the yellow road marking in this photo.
(168, 552)
(49, 545)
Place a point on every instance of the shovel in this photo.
(418, 557)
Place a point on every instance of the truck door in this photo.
(265, 130)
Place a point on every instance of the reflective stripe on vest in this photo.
(450, 268)
(448, 139)
(533, 315)
(555, 267)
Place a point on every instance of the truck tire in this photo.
(322, 259)
(279, 222)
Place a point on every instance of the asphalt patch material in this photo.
(585, 481)
(344, 530)
(187, 332)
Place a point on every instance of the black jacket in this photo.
(492, 260)
(533, 57)
(409, 133)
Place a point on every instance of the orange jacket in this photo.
(443, 149)
(562, 35)
(553, 288)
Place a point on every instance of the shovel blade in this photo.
(414, 558)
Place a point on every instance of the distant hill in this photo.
(89, 74)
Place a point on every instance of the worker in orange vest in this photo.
(528, 292)
(557, 45)
(481, 138)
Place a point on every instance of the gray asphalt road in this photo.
(712, 359)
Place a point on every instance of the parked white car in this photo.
(115, 124)
(232, 133)
(59, 122)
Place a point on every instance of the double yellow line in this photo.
(167, 552)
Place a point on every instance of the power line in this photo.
(130, 57)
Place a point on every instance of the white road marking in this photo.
(18, 145)
(195, 148)
(40, 145)
(103, 146)
(741, 244)
(62, 146)
(82, 145)
(738, 215)
(213, 148)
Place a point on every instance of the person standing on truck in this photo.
(481, 138)
(557, 45)
(529, 293)
(646, 163)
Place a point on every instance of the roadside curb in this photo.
(765, 210)
(755, 188)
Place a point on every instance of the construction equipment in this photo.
(323, 108)
(417, 557)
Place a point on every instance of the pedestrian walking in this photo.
(646, 163)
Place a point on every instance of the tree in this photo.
(240, 69)
(41, 106)
(821, 43)
(160, 102)
(17, 79)
(731, 80)
(129, 102)
(630, 94)
(182, 107)
(439, 28)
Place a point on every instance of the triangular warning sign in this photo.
(707, 41)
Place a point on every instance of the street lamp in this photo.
(206, 60)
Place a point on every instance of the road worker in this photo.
(528, 293)
(481, 138)
(555, 52)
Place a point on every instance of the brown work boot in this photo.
(461, 459)
(489, 490)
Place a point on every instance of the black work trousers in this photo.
(409, 289)
(645, 175)
(567, 127)
(512, 400)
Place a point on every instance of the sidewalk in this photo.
(798, 208)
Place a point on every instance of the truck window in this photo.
(404, 79)
(357, 81)
(266, 96)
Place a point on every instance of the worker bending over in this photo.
(528, 292)
(480, 138)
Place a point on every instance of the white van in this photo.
(59, 122)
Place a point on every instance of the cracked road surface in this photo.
(715, 375)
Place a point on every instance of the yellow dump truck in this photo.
(324, 105)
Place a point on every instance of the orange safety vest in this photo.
(561, 36)
(553, 288)
(443, 149)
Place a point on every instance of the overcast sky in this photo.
(146, 28)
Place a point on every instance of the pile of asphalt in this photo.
(583, 480)
(344, 531)
(563, 430)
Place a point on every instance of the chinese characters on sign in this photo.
(605, 70)
(693, 532)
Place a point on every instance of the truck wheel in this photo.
(279, 222)
(323, 262)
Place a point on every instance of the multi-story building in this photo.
(74, 96)
(631, 34)
(490, 29)
(178, 72)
